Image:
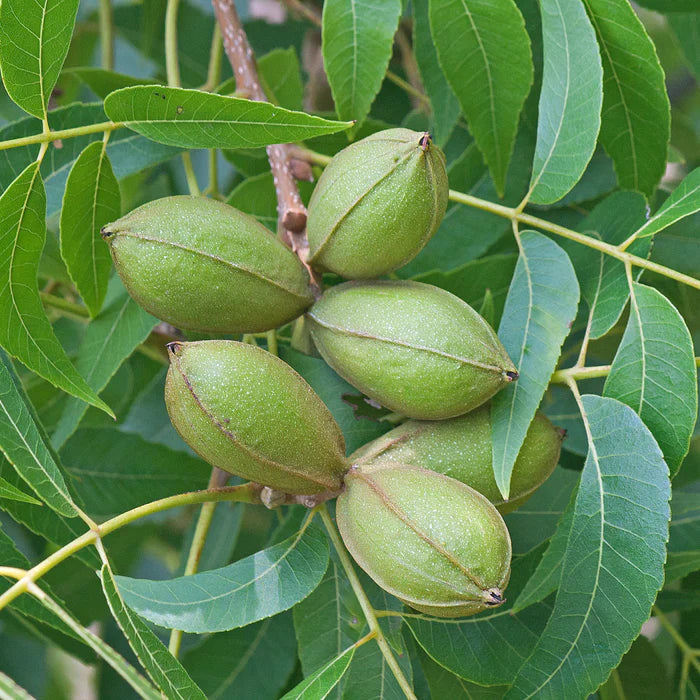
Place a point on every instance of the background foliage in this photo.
(572, 136)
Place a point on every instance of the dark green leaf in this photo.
(545, 579)
(321, 683)
(23, 443)
(636, 122)
(34, 41)
(281, 78)
(370, 676)
(474, 648)
(475, 280)
(252, 662)
(641, 675)
(444, 684)
(654, 372)
(684, 201)
(109, 340)
(45, 522)
(357, 43)
(92, 199)
(195, 119)
(670, 6)
(602, 278)
(331, 388)
(162, 666)
(249, 590)
(687, 30)
(490, 77)
(113, 471)
(540, 308)
(115, 660)
(444, 104)
(684, 534)
(536, 520)
(570, 100)
(611, 571)
(25, 332)
(102, 81)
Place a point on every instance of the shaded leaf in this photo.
(332, 388)
(252, 662)
(24, 445)
(444, 684)
(370, 676)
(684, 534)
(474, 648)
(687, 30)
(636, 119)
(109, 340)
(112, 471)
(25, 332)
(34, 41)
(641, 675)
(611, 573)
(540, 308)
(357, 38)
(490, 77)
(45, 522)
(570, 100)
(280, 75)
(444, 104)
(111, 657)
(162, 666)
(195, 119)
(654, 372)
(320, 684)
(602, 278)
(91, 200)
(102, 81)
(683, 201)
(259, 586)
(537, 520)
(545, 579)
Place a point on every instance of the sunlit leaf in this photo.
(34, 41)
(25, 332)
(570, 100)
(540, 308)
(195, 119)
(490, 77)
(321, 683)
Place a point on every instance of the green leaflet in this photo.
(34, 41)
(25, 332)
(610, 573)
(570, 100)
(91, 200)
(490, 77)
(357, 41)
(654, 372)
(194, 119)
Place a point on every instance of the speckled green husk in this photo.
(245, 411)
(461, 448)
(377, 204)
(433, 542)
(203, 265)
(414, 348)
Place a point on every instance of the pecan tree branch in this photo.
(291, 210)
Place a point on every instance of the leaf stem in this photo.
(607, 248)
(217, 479)
(64, 305)
(364, 602)
(245, 493)
(563, 376)
(49, 136)
(106, 19)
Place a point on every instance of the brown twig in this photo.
(291, 210)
